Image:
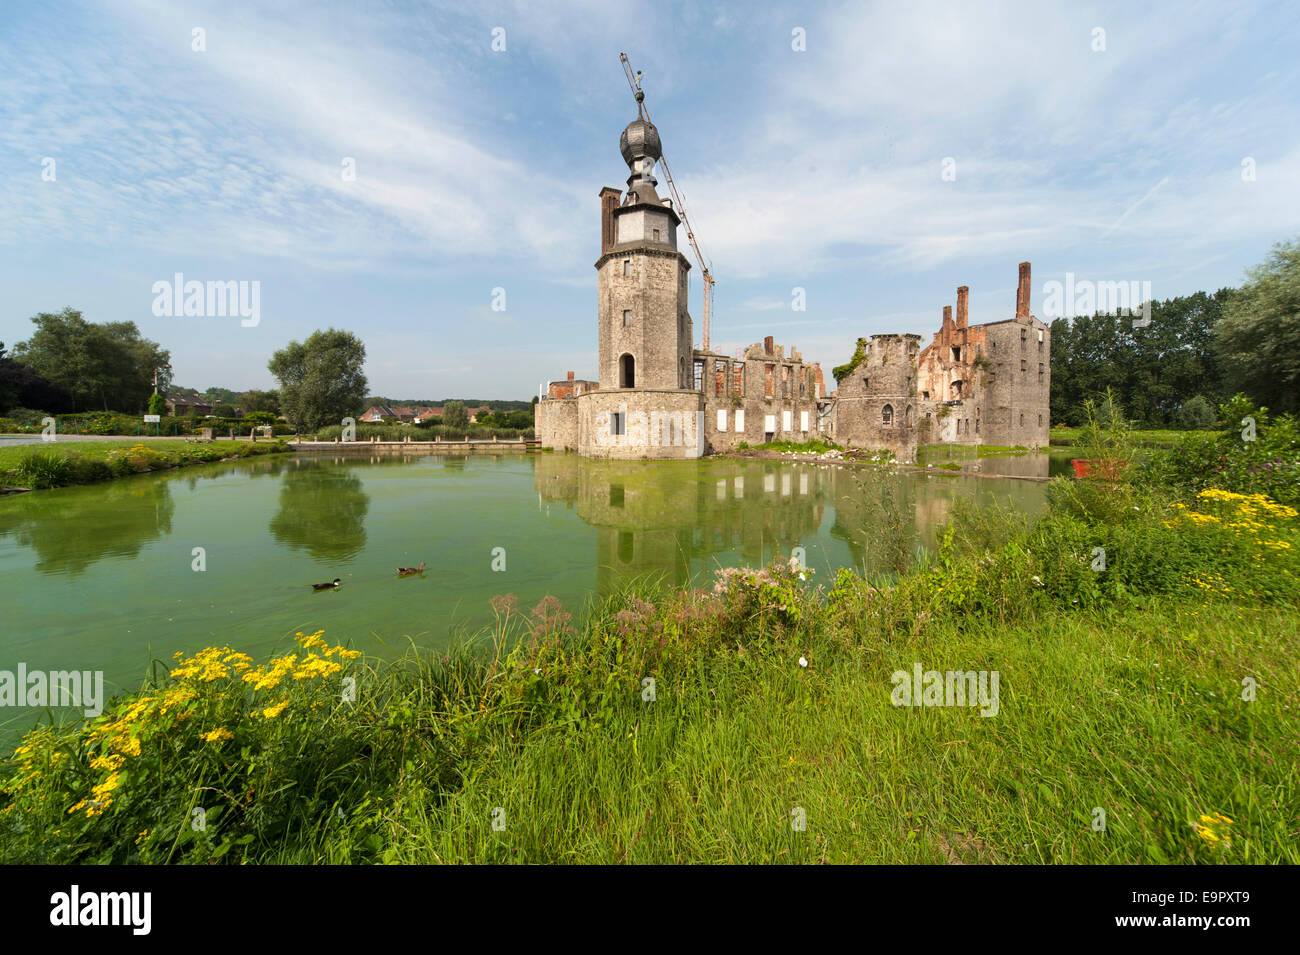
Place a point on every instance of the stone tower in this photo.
(644, 329)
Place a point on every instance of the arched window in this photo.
(907, 416)
(627, 372)
(887, 415)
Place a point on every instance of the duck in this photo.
(328, 586)
(409, 571)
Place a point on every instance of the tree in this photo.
(1259, 336)
(321, 379)
(108, 365)
(1196, 414)
(157, 404)
(220, 396)
(224, 411)
(22, 387)
(454, 416)
(251, 401)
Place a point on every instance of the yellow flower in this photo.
(275, 710)
(218, 734)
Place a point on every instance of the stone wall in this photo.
(774, 394)
(876, 405)
(658, 424)
(650, 284)
(555, 423)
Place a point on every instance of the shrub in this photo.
(1269, 464)
(45, 469)
(1196, 414)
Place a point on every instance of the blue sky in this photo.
(476, 169)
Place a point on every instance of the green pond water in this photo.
(102, 577)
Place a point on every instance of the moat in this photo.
(103, 577)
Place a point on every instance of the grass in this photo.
(812, 446)
(1065, 436)
(1144, 727)
(60, 464)
(1121, 691)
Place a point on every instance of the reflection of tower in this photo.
(664, 524)
(644, 329)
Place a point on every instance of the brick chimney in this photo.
(947, 315)
(767, 345)
(963, 300)
(608, 203)
(570, 376)
(1022, 292)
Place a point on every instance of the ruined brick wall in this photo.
(876, 405)
(774, 394)
(1016, 400)
(990, 383)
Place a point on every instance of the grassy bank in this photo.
(1123, 688)
(60, 464)
(1065, 436)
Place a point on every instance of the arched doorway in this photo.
(627, 372)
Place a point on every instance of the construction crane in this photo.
(634, 81)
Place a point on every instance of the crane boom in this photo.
(634, 81)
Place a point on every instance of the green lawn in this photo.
(1152, 438)
(63, 463)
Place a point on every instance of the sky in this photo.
(386, 167)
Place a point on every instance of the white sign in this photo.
(152, 419)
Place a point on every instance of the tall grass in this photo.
(1121, 692)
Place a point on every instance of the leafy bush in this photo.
(1230, 460)
(1196, 414)
(44, 469)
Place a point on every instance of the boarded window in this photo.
(786, 424)
(803, 421)
(722, 419)
(769, 424)
(740, 422)
(617, 422)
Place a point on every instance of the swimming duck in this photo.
(409, 571)
(329, 586)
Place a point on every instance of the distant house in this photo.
(475, 412)
(570, 387)
(378, 413)
(180, 405)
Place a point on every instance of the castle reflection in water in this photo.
(683, 521)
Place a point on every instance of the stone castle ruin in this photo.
(973, 384)
(659, 397)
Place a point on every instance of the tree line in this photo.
(1196, 352)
